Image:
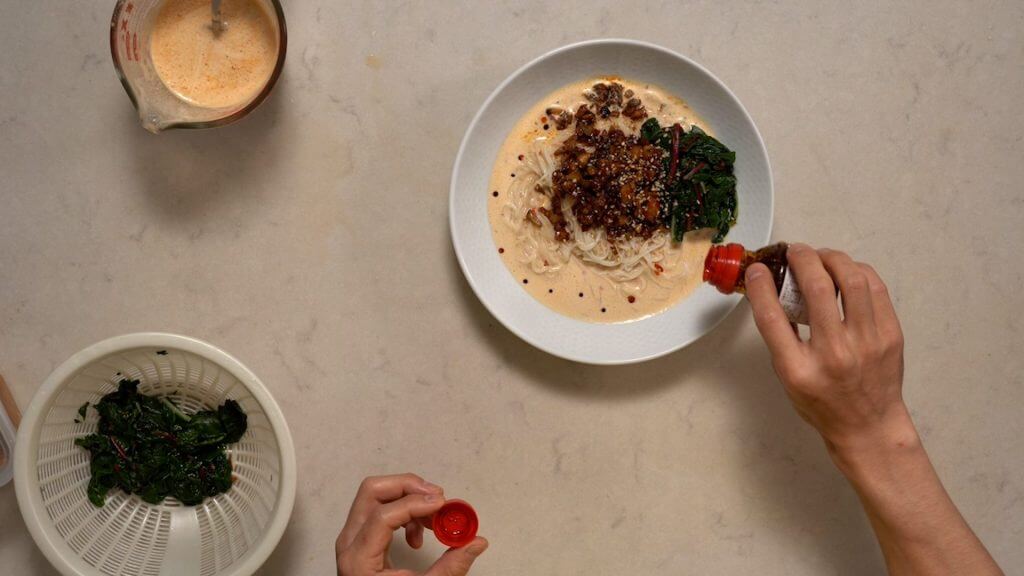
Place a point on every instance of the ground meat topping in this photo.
(610, 179)
(634, 109)
(606, 98)
(611, 100)
(561, 117)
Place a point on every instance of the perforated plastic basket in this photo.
(230, 534)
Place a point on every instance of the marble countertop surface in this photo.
(894, 131)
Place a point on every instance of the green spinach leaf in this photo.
(147, 445)
(701, 188)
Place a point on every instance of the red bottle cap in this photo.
(455, 523)
(722, 267)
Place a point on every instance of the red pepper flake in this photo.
(543, 119)
(658, 269)
(501, 250)
(631, 299)
(546, 263)
(521, 157)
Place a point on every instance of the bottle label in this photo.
(792, 300)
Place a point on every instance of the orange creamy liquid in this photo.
(214, 70)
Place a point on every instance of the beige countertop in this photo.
(311, 241)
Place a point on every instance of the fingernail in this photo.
(431, 498)
(476, 549)
(797, 248)
(755, 272)
(429, 487)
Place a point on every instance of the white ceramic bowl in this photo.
(230, 534)
(471, 234)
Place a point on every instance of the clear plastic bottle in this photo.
(726, 266)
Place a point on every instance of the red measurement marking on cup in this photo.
(130, 40)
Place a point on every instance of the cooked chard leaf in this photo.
(232, 420)
(702, 190)
(146, 445)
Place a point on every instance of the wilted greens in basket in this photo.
(146, 445)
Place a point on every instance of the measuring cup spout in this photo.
(152, 120)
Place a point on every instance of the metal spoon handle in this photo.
(218, 24)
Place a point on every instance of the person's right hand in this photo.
(846, 379)
(384, 504)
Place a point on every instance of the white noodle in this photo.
(626, 263)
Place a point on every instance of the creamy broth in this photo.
(214, 70)
(576, 289)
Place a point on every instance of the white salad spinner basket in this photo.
(230, 534)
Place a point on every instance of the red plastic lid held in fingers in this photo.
(722, 267)
(455, 523)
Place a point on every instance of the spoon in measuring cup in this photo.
(218, 24)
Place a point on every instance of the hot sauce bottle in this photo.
(726, 266)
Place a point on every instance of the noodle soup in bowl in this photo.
(606, 275)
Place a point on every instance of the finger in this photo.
(884, 311)
(414, 534)
(395, 573)
(458, 561)
(376, 490)
(818, 290)
(768, 314)
(853, 284)
(374, 538)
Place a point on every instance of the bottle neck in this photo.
(723, 266)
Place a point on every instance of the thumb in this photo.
(458, 561)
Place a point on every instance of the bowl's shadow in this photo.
(188, 173)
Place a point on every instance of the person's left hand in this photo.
(384, 504)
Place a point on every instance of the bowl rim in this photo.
(457, 167)
(30, 500)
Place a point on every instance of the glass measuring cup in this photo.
(159, 108)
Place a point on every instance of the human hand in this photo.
(847, 379)
(384, 504)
